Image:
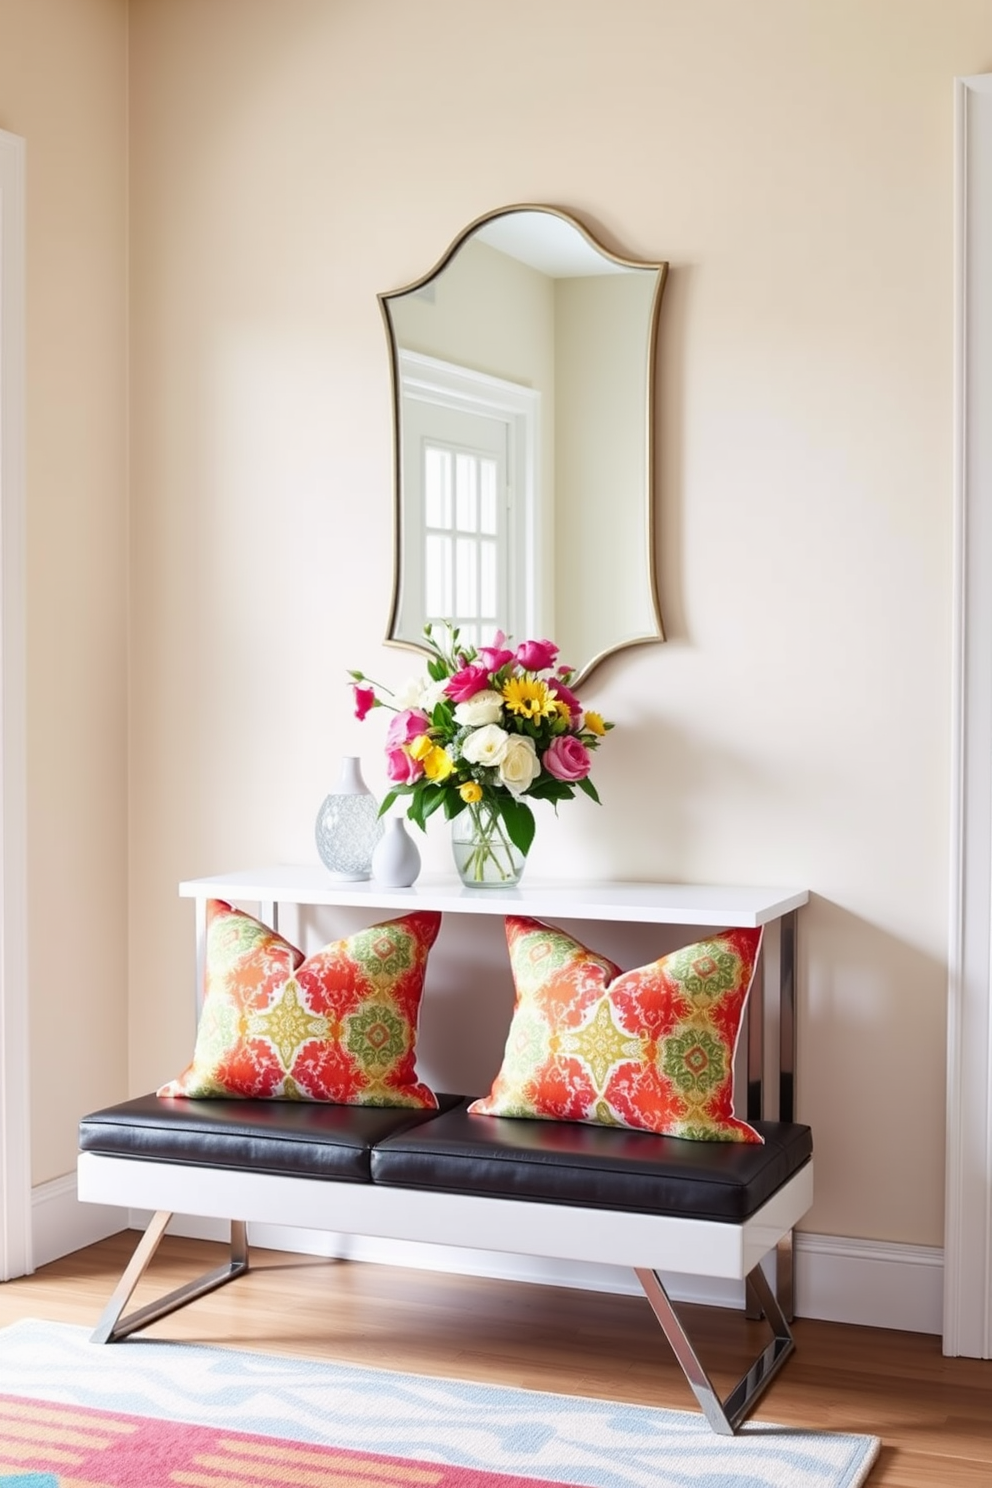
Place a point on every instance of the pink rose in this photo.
(537, 656)
(567, 758)
(401, 767)
(406, 726)
(364, 702)
(566, 695)
(495, 656)
(467, 682)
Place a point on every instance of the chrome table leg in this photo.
(724, 1416)
(112, 1326)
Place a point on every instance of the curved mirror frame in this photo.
(523, 377)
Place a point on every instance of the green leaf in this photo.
(415, 810)
(519, 822)
(550, 789)
(387, 801)
(432, 799)
(590, 790)
(453, 805)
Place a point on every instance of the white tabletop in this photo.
(646, 903)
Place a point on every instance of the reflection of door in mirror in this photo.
(467, 525)
(455, 558)
(529, 326)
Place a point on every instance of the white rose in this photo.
(410, 695)
(431, 694)
(486, 746)
(484, 707)
(519, 766)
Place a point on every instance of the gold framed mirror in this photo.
(523, 370)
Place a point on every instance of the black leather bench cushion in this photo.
(304, 1138)
(546, 1161)
(602, 1167)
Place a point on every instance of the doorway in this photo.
(968, 1222)
(15, 1169)
(467, 532)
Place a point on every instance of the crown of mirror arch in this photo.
(523, 387)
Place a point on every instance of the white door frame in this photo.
(968, 1225)
(15, 1164)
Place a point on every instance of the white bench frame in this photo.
(647, 1243)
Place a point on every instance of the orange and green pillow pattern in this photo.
(651, 1049)
(338, 1026)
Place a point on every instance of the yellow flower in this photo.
(563, 710)
(594, 723)
(529, 696)
(438, 764)
(420, 747)
(470, 791)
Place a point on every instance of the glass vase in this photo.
(348, 825)
(484, 855)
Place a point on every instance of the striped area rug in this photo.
(83, 1448)
(150, 1414)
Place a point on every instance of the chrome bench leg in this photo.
(785, 1283)
(724, 1416)
(112, 1326)
(753, 1310)
(785, 1276)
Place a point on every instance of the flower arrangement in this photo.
(482, 730)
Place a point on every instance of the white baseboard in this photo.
(874, 1283)
(60, 1224)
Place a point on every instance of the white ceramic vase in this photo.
(396, 860)
(348, 826)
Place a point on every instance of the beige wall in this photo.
(292, 158)
(63, 87)
(793, 162)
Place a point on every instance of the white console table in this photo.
(769, 1042)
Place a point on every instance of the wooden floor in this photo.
(934, 1415)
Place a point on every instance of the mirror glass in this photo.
(523, 383)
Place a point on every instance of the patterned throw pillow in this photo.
(651, 1049)
(338, 1026)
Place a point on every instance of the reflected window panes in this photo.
(466, 471)
(437, 487)
(438, 575)
(462, 540)
(487, 497)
